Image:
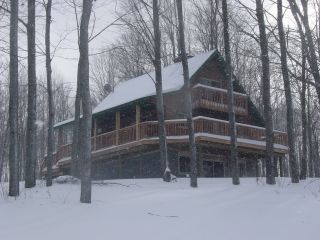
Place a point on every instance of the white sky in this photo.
(63, 32)
(64, 27)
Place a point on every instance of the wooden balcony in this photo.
(217, 99)
(206, 129)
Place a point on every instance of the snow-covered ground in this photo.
(151, 209)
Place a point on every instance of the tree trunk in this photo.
(303, 171)
(267, 111)
(86, 121)
(317, 156)
(232, 117)
(165, 168)
(188, 99)
(75, 171)
(13, 101)
(309, 134)
(287, 88)
(313, 62)
(50, 96)
(307, 39)
(31, 153)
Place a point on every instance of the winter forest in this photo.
(175, 115)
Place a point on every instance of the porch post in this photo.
(281, 166)
(117, 127)
(59, 143)
(138, 118)
(200, 161)
(275, 165)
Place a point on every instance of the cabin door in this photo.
(218, 169)
(208, 168)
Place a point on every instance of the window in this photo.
(184, 164)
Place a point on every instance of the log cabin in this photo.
(125, 140)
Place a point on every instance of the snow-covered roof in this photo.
(70, 120)
(143, 86)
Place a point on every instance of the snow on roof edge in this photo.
(64, 122)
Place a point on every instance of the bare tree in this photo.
(75, 152)
(84, 91)
(169, 16)
(267, 110)
(158, 82)
(30, 176)
(188, 100)
(288, 95)
(232, 117)
(150, 37)
(13, 104)
(207, 24)
(50, 139)
(303, 170)
(302, 19)
(75, 165)
(309, 134)
(103, 74)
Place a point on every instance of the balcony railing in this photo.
(209, 127)
(217, 99)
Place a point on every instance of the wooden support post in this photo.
(275, 165)
(117, 127)
(281, 166)
(200, 161)
(59, 143)
(138, 119)
(119, 166)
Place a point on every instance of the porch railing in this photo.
(175, 128)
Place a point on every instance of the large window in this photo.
(184, 164)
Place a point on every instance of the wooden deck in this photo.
(217, 99)
(208, 129)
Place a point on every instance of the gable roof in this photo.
(144, 86)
